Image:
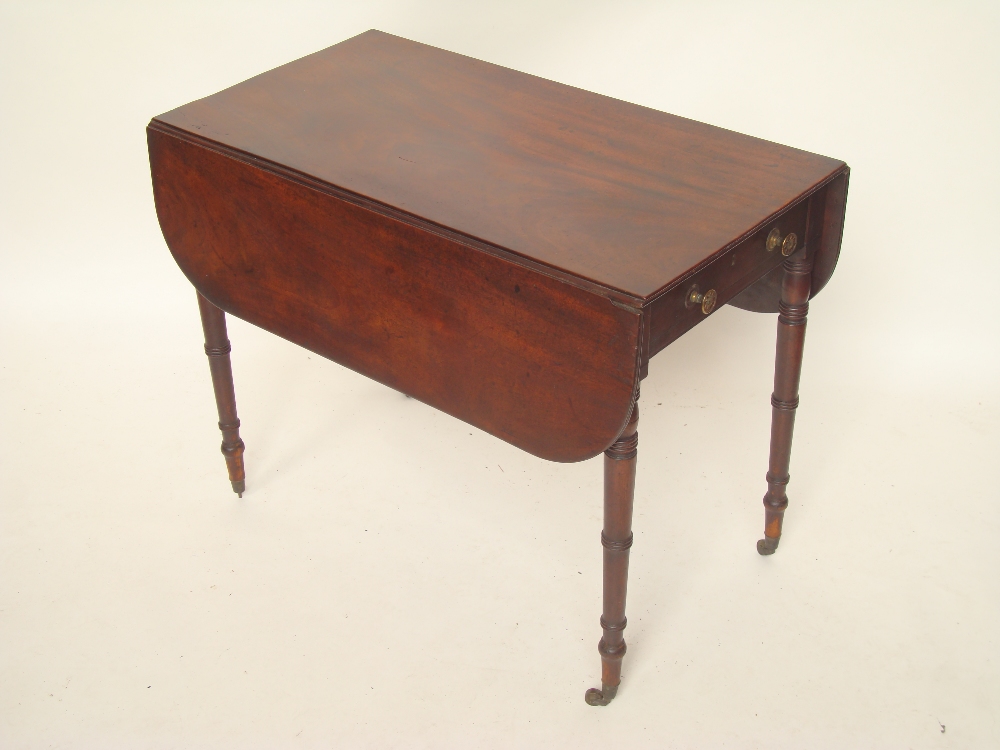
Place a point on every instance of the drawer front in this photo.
(699, 295)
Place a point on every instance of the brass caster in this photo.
(767, 546)
(603, 697)
(239, 487)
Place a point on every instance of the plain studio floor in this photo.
(394, 578)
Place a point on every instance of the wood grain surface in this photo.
(824, 231)
(618, 195)
(538, 362)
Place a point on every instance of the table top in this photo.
(615, 194)
(509, 250)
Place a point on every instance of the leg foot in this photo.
(239, 487)
(767, 546)
(602, 697)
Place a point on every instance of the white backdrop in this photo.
(394, 578)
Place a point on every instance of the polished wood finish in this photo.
(792, 313)
(334, 201)
(594, 188)
(616, 538)
(510, 250)
(824, 231)
(486, 340)
(217, 347)
(734, 271)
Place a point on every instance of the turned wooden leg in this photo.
(792, 312)
(619, 488)
(217, 347)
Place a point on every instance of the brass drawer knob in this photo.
(787, 245)
(706, 300)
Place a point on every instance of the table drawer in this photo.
(697, 296)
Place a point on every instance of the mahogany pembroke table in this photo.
(509, 250)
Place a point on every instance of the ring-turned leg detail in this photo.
(619, 490)
(217, 347)
(792, 311)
